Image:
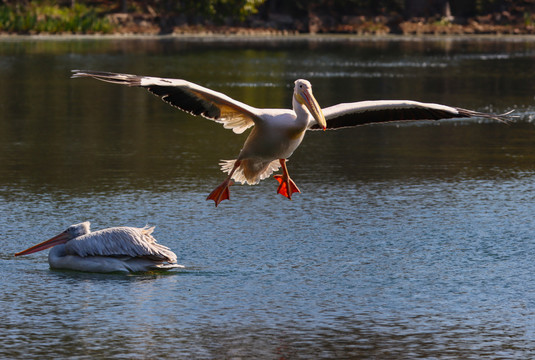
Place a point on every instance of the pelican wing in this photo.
(120, 241)
(187, 96)
(380, 111)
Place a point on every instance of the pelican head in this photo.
(78, 229)
(303, 95)
(72, 232)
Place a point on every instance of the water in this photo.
(406, 241)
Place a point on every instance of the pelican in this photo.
(277, 132)
(123, 249)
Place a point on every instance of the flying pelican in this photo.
(277, 132)
(124, 249)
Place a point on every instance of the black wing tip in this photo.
(111, 77)
(90, 73)
(505, 117)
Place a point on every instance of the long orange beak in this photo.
(56, 240)
(314, 108)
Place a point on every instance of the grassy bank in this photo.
(52, 19)
(104, 17)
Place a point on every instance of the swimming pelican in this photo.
(277, 132)
(124, 249)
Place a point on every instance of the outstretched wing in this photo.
(381, 111)
(186, 96)
(120, 241)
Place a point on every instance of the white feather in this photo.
(117, 241)
(261, 169)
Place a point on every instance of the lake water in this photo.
(406, 242)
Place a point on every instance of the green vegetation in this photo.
(51, 18)
(219, 10)
(351, 16)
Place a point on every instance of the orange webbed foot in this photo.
(221, 192)
(284, 185)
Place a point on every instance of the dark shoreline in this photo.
(146, 25)
(202, 36)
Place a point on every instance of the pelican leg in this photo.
(222, 192)
(286, 185)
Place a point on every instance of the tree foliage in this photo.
(89, 15)
(217, 10)
(37, 17)
(240, 9)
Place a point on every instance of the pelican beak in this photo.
(56, 240)
(312, 105)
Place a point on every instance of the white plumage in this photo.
(109, 250)
(277, 132)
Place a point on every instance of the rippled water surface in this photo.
(411, 241)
